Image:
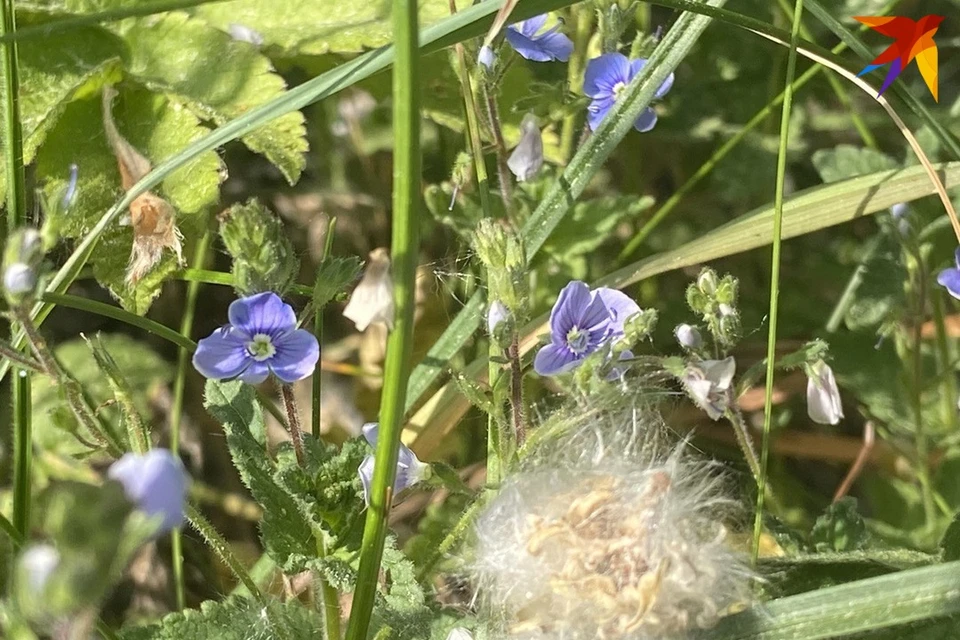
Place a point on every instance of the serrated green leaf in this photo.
(263, 256)
(142, 369)
(847, 161)
(334, 275)
(319, 27)
(234, 619)
(170, 54)
(157, 128)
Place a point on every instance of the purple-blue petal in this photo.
(618, 305)
(296, 356)
(594, 317)
(554, 46)
(156, 482)
(530, 26)
(365, 470)
(262, 313)
(603, 73)
(646, 121)
(665, 87)
(256, 373)
(597, 111)
(950, 278)
(222, 355)
(568, 309)
(619, 371)
(554, 359)
(956, 257)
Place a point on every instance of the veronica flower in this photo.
(526, 40)
(605, 79)
(688, 336)
(19, 279)
(950, 278)
(487, 57)
(823, 397)
(262, 338)
(409, 468)
(580, 323)
(707, 383)
(156, 483)
(496, 315)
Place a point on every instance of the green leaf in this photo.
(263, 256)
(143, 371)
(334, 275)
(170, 54)
(840, 528)
(319, 27)
(157, 128)
(401, 607)
(234, 619)
(862, 606)
(950, 543)
(846, 161)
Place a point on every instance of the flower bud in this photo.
(156, 483)
(497, 314)
(823, 396)
(37, 564)
(688, 336)
(527, 157)
(19, 279)
(707, 383)
(487, 58)
(372, 299)
(410, 470)
(707, 282)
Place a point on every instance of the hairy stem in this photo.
(293, 420)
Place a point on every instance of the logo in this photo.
(914, 40)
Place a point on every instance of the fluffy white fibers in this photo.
(607, 532)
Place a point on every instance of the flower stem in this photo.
(923, 450)
(16, 216)
(329, 596)
(404, 249)
(584, 20)
(775, 273)
(222, 548)
(516, 391)
(293, 420)
(473, 128)
(503, 171)
(176, 412)
(317, 388)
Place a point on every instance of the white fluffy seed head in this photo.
(607, 533)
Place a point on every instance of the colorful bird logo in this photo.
(913, 40)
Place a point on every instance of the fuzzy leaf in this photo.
(319, 27)
(334, 275)
(846, 161)
(171, 53)
(233, 619)
(840, 528)
(142, 369)
(263, 256)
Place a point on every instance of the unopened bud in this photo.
(527, 157)
(37, 564)
(487, 57)
(688, 336)
(496, 315)
(707, 282)
(19, 279)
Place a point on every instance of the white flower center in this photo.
(618, 89)
(577, 340)
(261, 347)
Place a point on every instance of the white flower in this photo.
(707, 383)
(527, 157)
(688, 336)
(823, 397)
(410, 470)
(459, 634)
(486, 57)
(372, 300)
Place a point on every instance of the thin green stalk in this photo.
(405, 248)
(226, 279)
(222, 548)
(500, 146)
(16, 216)
(775, 273)
(176, 413)
(848, 297)
(473, 131)
(329, 596)
(578, 59)
(318, 332)
(948, 393)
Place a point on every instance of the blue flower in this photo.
(950, 278)
(542, 47)
(605, 79)
(409, 468)
(156, 483)
(262, 338)
(580, 323)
